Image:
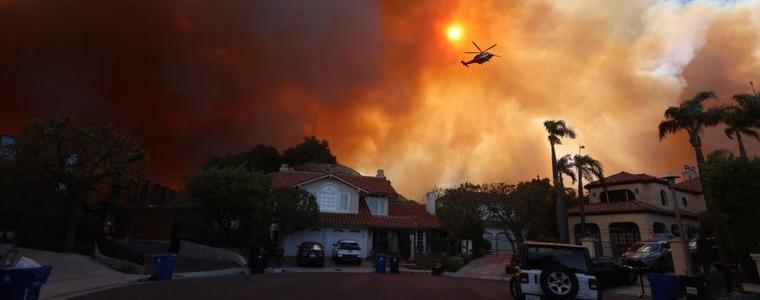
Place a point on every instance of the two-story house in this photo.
(364, 208)
(632, 207)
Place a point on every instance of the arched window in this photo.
(684, 202)
(663, 198)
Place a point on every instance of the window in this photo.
(330, 199)
(617, 196)
(377, 205)
(684, 202)
(663, 198)
(544, 257)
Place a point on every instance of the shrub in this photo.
(454, 264)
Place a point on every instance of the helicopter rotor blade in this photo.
(476, 46)
(472, 52)
(496, 55)
(489, 48)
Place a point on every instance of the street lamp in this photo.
(671, 178)
(579, 149)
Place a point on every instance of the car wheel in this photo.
(559, 283)
(514, 288)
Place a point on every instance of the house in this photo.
(364, 208)
(632, 207)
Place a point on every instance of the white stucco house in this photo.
(364, 208)
(634, 207)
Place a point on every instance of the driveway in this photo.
(490, 266)
(315, 286)
(73, 273)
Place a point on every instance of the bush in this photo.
(454, 264)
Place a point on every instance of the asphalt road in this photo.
(314, 286)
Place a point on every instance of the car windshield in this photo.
(544, 257)
(313, 247)
(649, 247)
(349, 246)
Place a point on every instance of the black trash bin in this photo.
(693, 287)
(258, 262)
(394, 261)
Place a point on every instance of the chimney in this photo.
(430, 199)
(380, 173)
(284, 167)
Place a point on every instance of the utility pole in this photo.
(671, 178)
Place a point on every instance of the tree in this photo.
(76, 164)
(310, 150)
(558, 129)
(236, 199)
(732, 185)
(295, 209)
(460, 213)
(262, 158)
(590, 169)
(691, 117)
(742, 119)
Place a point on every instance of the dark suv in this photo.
(310, 253)
(554, 271)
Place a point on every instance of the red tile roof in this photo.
(692, 185)
(400, 216)
(371, 184)
(624, 208)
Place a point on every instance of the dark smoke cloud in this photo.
(379, 80)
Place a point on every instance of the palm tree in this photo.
(742, 118)
(691, 116)
(589, 168)
(558, 129)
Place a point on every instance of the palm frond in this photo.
(565, 167)
(702, 96)
(750, 132)
(729, 131)
(668, 127)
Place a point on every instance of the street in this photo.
(316, 286)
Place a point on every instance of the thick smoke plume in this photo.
(380, 80)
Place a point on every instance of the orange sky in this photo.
(381, 80)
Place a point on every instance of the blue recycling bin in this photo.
(164, 266)
(23, 284)
(380, 263)
(664, 286)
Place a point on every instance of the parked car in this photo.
(347, 251)
(555, 271)
(612, 273)
(310, 253)
(651, 256)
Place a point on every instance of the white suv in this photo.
(347, 251)
(554, 271)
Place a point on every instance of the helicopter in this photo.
(480, 57)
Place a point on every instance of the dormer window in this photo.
(331, 199)
(378, 206)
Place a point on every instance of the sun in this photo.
(454, 32)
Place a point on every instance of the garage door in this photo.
(501, 243)
(335, 234)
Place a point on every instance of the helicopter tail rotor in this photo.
(464, 63)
